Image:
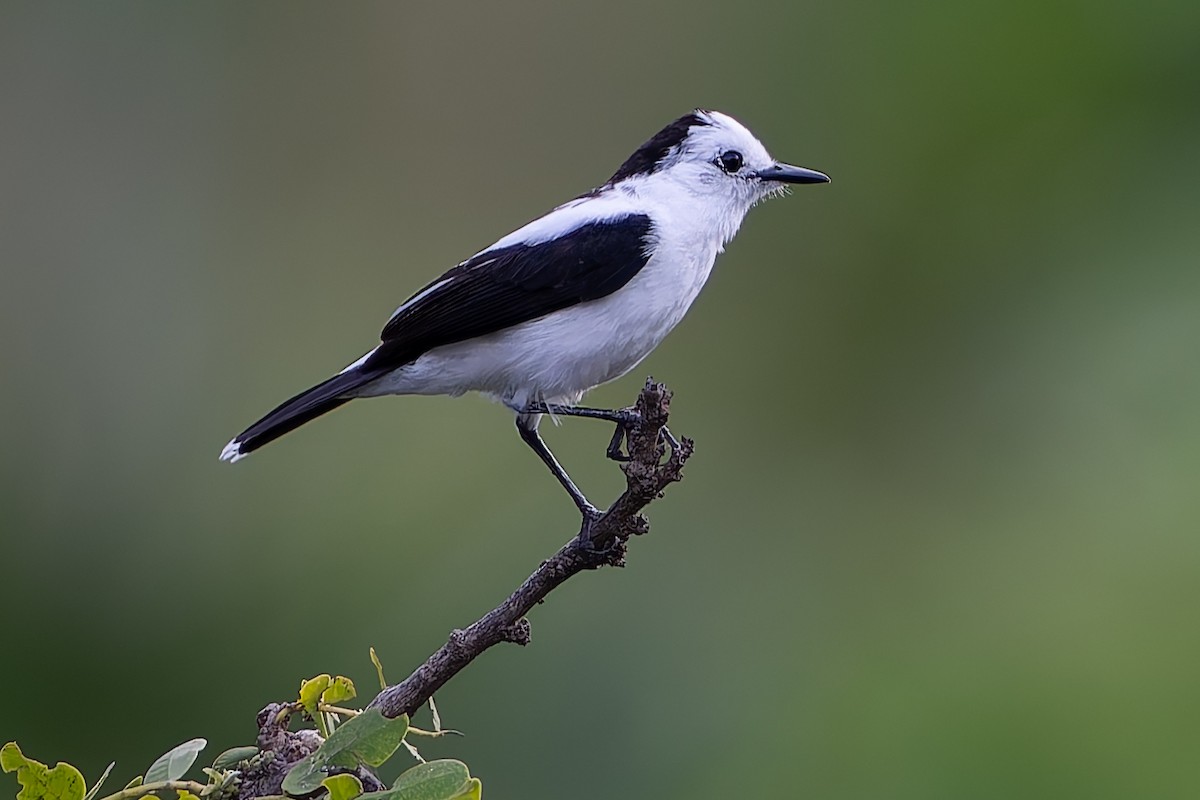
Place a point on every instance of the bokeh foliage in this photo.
(941, 535)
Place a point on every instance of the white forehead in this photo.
(722, 133)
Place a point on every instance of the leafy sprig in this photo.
(350, 740)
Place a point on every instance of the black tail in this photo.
(306, 406)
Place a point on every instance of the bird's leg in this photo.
(625, 418)
(532, 438)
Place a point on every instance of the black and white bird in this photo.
(572, 300)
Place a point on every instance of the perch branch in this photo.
(604, 543)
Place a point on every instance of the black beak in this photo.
(786, 173)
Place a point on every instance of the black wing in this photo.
(504, 287)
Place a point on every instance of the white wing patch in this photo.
(423, 293)
(360, 361)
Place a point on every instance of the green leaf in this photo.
(436, 780)
(39, 782)
(171, 765)
(96, 787)
(339, 691)
(370, 738)
(310, 692)
(378, 669)
(441, 778)
(343, 787)
(472, 791)
(233, 756)
(134, 783)
(184, 794)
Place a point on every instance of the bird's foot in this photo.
(614, 451)
(621, 435)
(591, 516)
(586, 547)
(627, 419)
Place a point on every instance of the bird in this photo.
(572, 300)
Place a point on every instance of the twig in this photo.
(342, 712)
(603, 544)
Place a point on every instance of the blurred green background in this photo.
(940, 537)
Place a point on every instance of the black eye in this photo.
(731, 161)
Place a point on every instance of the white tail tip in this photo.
(233, 452)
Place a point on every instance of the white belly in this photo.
(558, 357)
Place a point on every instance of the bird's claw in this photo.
(614, 451)
(591, 515)
(626, 419)
(585, 547)
(621, 435)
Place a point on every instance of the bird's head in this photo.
(712, 154)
